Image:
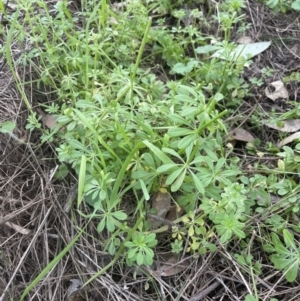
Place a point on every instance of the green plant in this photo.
(125, 131)
(286, 256)
(140, 249)
(283, 6)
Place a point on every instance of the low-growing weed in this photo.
(126, 130)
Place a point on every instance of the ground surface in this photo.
(35, 225)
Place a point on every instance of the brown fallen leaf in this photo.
(289, 139)
(241, 135)
(244, 40)
(173, 266)
(49, 121)
(280, 91)
(287, 126)
(161, 202)
(175, 212)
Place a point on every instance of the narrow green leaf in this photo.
(226, 236)
(51, 265)
(140, 174)
(178, 132)
(144, 189)
(132, 253)
(178, 183)
(158, 153)
(81, 180)
(110, 225)
(198, 183)
(120, 215)
(101, 225)
(172, 152)
(111, 248)
(239, 233)
(187, 140)
(289, 239)
(171, 178)
(220, 164)
(2, 8)
(166, 167)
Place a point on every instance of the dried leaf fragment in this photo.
(244, 40)
(161, 202)
(75, 285)
(287, 126)
(173, 266)
(241, 135)
(289, 139)
(280, 91)
(174, 213)
(49, 121)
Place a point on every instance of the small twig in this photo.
(205, 292)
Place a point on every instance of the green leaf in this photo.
(140, 174)
(120, 215)
(111, 248)
(179, 132)
(221, 162)
(281, 249)
(292, 272)
(101, 226)
(289, 239)
(281, 262)
(296, 5)
(110, 225)
(206, 49)
(171, 152)
(178, 182)
(250, 298)
(198, 183)
(239, 233)
(275, 238)
(158, 153)
(2, 7)
(129, 244)
(187, 140)
(145, 190)
(183, 69)
(244, 51)
(132, 252)
(226, 236)
(7, 127)
(140, 258)
(149, 238)
(171, 178)
(52, 264)
(81, 180)
(165, 167)
(269, 248)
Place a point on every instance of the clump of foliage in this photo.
(283, 6)
(124, 130)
